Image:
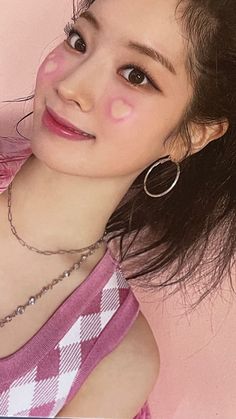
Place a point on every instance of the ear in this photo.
(204, 134)
(201, 135)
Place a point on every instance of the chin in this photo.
(56, 157)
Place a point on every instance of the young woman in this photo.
(133, 136)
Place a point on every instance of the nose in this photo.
(84, 83)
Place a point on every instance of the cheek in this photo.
(52, 67)
(120, 110)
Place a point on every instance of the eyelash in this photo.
(70, 30)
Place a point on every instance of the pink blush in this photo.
(52, 65)
(120, 109)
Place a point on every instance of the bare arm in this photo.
(121, 383)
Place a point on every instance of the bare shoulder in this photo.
(121, 383)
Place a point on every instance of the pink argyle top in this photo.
(45, 374)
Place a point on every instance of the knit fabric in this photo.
(43, 376)
(13, 154)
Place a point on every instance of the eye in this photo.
(135, 76)
(138, 76)
(74, 39)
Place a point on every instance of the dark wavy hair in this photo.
(188, 237)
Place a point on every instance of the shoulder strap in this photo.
(109, 339)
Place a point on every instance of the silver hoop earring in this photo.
(162, 161)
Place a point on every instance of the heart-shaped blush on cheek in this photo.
(120, 109)
(50, 67)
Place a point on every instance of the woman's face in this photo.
(109, 82)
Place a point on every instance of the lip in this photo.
(57, 125)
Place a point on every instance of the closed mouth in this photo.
(65, 124)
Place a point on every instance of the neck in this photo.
(53, 210)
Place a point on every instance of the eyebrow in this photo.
(143, 49)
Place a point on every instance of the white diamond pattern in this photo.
(30, 392)
(21, 398)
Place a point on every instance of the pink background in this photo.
(198, 368)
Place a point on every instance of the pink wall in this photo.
(198, 371)
(198, 368)
(28, 31)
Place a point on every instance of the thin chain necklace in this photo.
(66, 274)
(44, 252)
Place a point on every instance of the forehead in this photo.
(151, 22)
